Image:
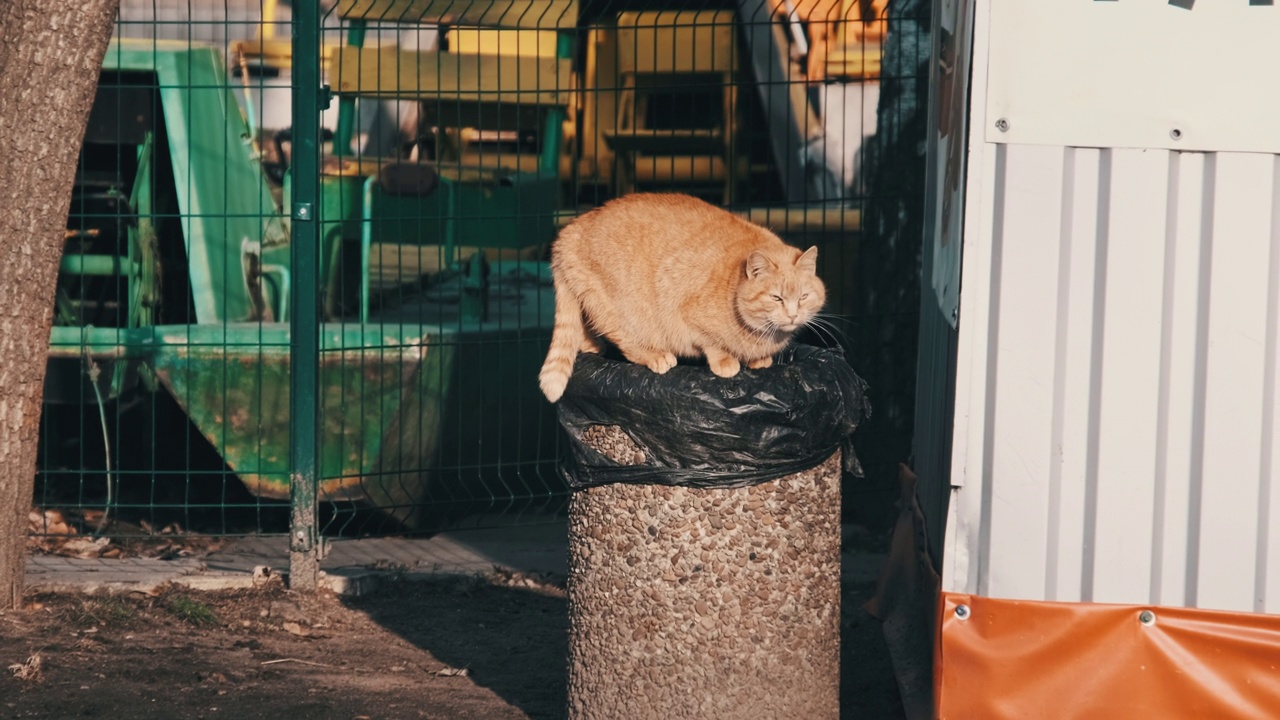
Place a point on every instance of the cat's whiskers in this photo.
(766, 334)
(826, 330)
(821, 322)
(832, 318)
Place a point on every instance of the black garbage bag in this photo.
(699, 430)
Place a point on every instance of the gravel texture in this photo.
(690, 603)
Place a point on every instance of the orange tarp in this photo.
(1021, 660)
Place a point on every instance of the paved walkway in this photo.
(349, 566)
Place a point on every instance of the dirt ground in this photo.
(456, 648)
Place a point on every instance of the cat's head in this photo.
(780, 291)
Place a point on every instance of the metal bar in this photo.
(103, 265)
(304, 347)
(553, 131)
(536, 14)
(346, 103)
(366, 243)
(786, 137)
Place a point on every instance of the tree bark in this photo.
(50, 57)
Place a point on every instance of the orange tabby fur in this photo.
(663, 276)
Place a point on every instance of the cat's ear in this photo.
(758, 264)
(808, 260)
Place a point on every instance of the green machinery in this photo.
(176, 274)
(436, 304)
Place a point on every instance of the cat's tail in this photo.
(566, 338)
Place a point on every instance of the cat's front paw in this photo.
(762, 363)
(723, 365)
(661, 363)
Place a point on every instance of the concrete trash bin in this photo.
(712, 592)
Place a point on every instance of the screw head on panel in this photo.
(1176, 134)
(1002, 125)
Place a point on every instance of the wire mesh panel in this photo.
(468, 132)
(457, 137)
(167, 353)
(440, 193)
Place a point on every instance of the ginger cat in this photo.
(663, 276)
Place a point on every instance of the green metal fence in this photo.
(305, 286)
(165, 301)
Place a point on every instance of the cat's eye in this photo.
(804, 296)
(776, 297)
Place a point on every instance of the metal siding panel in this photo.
(1237, 323)
(985, 491)
(1267, 562)
(1130, 332)
(1111, 378)
(1177, 373)
(962, 559)
(1053, 528)
(1099, 74)
(1072, 370)
(1200, 356)
(1023, 396)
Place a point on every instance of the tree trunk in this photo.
(50, 57)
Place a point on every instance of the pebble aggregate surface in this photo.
(694, 603)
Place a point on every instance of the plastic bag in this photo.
(699, 430)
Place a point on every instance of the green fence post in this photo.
(304, 347)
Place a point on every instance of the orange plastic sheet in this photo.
(1017, 659)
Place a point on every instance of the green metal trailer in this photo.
(176, 278)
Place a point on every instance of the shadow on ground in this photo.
(867, 686)
(512, 640)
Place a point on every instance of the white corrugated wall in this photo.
(1116, 384)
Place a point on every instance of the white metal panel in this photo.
(1116, 390)
(1187, 240)
(1134, 73)
(961, 558)
(1267, 562)
(1129, 283)
(1128, 396)
(1074, 349)
(1022, 344)
(1236, 326)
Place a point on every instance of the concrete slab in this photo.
(51, 573)
(530, 549)
(350, 566)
